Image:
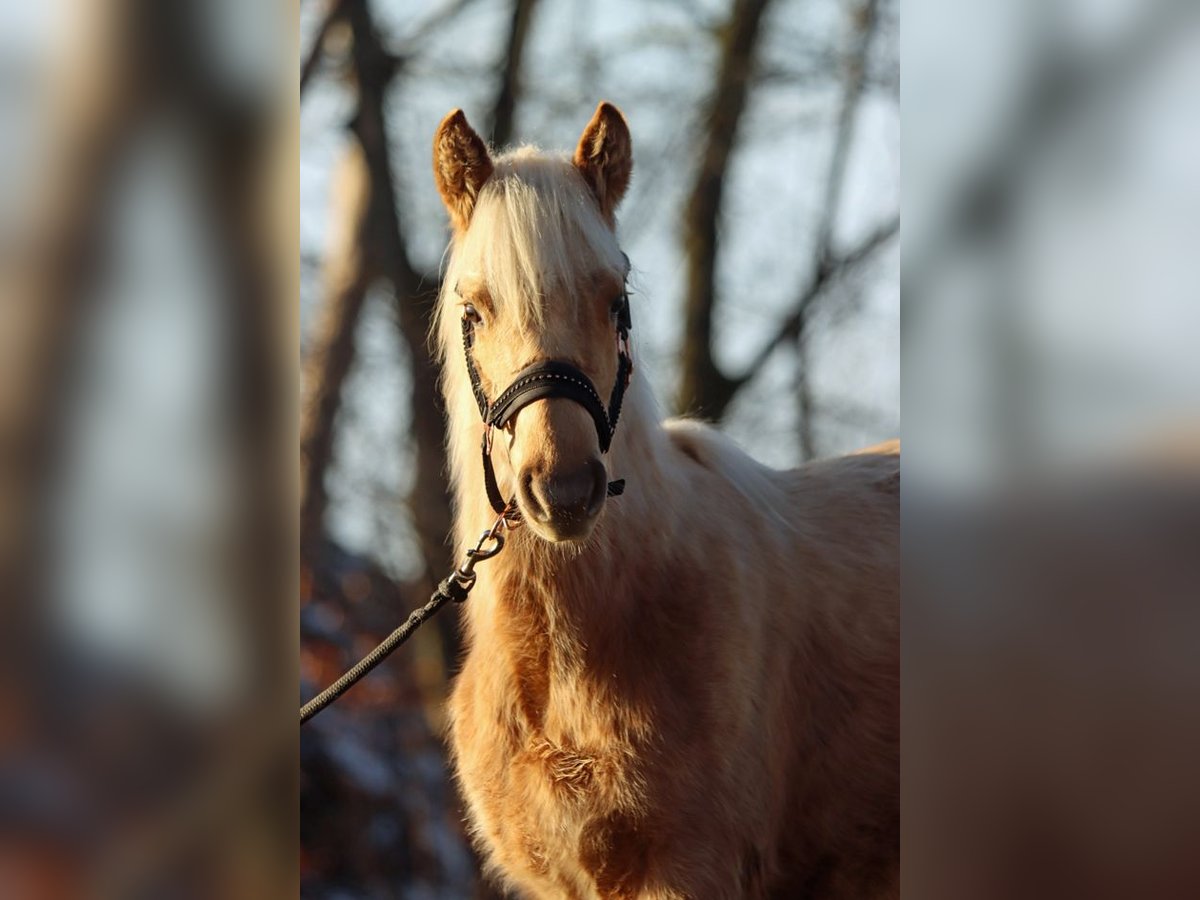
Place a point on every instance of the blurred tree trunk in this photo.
(385, 252)
(703, 388)
(346, 279)
(44, 286)
(504, 109)
(133, 69)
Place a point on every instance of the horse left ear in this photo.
(605, 157)
(461, 167)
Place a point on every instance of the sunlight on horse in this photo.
(687, 691)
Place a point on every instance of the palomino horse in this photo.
(687, 691)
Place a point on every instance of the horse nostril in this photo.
(564, 498)
(528, 498)
(599, 486)
(571, 496)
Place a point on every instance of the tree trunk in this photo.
(504, 109)
(703, 388)
(386, 250)
(346, 279)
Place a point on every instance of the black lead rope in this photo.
(454, 587)
(449, 589)
(551, 378)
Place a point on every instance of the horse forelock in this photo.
(535, 232)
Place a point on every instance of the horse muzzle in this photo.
(562, 505)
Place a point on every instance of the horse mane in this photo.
(713, 450)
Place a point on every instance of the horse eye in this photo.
(471, 314)
(617, 305)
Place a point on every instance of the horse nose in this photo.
(564, 501)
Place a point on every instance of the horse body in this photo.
(699, 699)
(693, 705)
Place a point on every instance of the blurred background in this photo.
(762, 225)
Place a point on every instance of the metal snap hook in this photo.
(481, 551)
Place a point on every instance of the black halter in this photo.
(551, 378)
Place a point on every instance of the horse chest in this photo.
(504, 745)
(536, 800)
(552, 820)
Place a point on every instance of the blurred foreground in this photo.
(1051, 671)
(147, 357)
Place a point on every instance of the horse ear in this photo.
(605, 157)
(461, 166)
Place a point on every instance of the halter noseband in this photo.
(544, 380)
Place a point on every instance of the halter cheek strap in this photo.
(545, 380)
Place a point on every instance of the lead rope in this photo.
(454, 587)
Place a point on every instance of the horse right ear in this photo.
(605, 157)
(461, 166)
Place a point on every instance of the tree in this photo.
(704, 388)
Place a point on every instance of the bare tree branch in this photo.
(791, 327)
(409, 44)
(721, 388)
(806, 406)
(854, 66)
(703, 387)
(854, 74)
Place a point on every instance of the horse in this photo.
(690, 690)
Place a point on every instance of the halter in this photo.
(544, 380)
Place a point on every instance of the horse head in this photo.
(536, 283)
